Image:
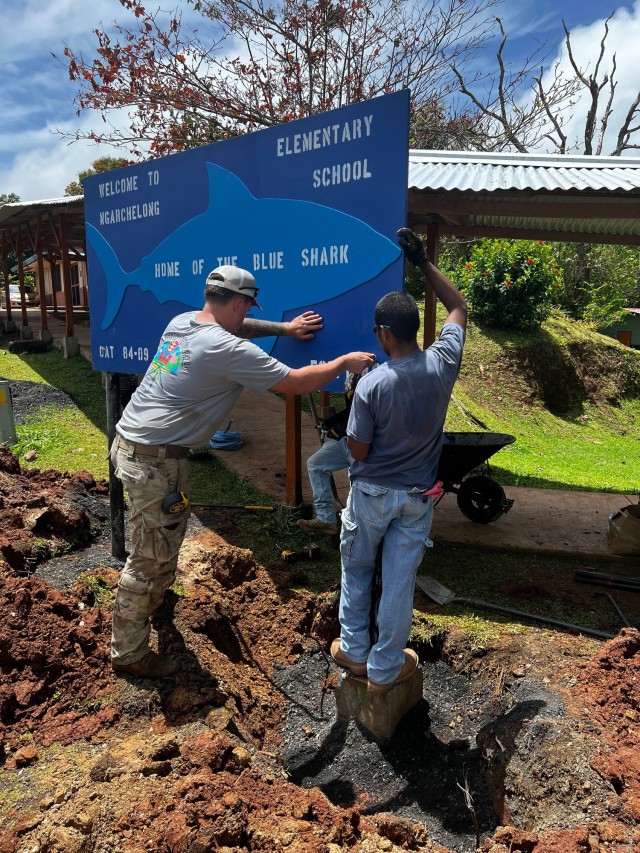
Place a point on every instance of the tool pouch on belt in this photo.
(335, 426)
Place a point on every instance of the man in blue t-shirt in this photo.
(394, 435)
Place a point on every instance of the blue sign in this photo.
(310, 208)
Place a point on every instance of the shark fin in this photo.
(115, 276)
(225, 188)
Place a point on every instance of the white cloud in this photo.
(39, 26)
(37, 97)
(622, 39)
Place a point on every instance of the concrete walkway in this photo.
(56, 324)
(541, 520)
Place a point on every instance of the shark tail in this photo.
(115, 277)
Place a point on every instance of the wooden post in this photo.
(5, 273)
(23, 301)
(41, 289)
(293, 443)
(66, 276)
(116, 492)
(429, 295)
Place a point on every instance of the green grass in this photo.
(62, 443)
(571, 398)
(71, 438)
(568, 395)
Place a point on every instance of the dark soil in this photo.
(529, 742)
(28, 397)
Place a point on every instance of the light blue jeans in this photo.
(373, 514)
(332, 456)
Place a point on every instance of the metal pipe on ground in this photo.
(235, 506)
(441, 595)
(602, 579)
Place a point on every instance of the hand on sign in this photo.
(304, 326)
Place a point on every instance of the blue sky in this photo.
(36, 96)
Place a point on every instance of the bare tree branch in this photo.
(552, 116)
(511, 119)
(606, 115)
(591, 84)
(254, 63)
(626, 131)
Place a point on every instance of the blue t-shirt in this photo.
(400, 408)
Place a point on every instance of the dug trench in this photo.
(528, 743)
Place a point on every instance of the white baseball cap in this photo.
(235, 279)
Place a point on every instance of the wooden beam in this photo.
(66, 276)
(23, 301)
(539, 234)
(429, 329)
(526, 205)
(5, 273)
(293, 444)
(41, 290)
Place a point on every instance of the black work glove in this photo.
(411, 246)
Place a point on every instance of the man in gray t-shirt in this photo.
(394, 435)
(201, 366)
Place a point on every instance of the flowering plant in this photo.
(509, 283)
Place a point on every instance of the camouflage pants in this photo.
(156, 538)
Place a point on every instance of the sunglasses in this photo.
(379, 326)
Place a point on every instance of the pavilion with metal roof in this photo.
(523, 196)
(462, 193)
(560, 198)
(51, 230)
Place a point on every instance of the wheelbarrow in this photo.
(480, 498)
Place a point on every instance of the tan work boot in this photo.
(408, 668)
(315, 525)
(342, 660)
(151, 665)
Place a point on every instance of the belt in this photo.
(168, 451)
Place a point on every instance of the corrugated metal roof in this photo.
(25, 216)
(14, 209)
(553, 197)
(559, 197)
(471, 171)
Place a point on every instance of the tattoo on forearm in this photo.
(252, 328)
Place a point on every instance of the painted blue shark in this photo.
(301, 253)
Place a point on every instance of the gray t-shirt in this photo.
(193, 382)
(400, 408)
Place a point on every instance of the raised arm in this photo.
(444, 289)
(303, 327)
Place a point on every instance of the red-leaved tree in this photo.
(249, 64)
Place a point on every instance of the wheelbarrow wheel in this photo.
(481, 499)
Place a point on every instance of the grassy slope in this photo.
(570, 396)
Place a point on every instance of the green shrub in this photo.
(509, 283)
(599, 282)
